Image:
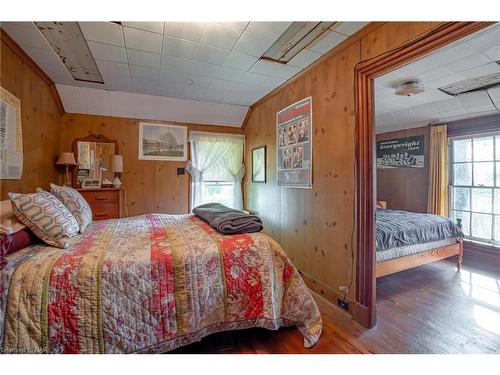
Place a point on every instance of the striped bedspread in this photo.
(148, 284)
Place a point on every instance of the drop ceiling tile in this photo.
(43, 57)
(388, 80)
(189, 66)
(488, 39)
(264, 67)
(493, 53)
(145, 106)
(143, 58)
(387, 118)
(240, 61)
(235, 25)
(246, 89)
(495, 94)
(111, 67)
(144, 84)
(468, 62)
(268, 30)
(121, 104)
(349, 28)
(220, 84)
(155, 27)
(59, 73)
(142, 40)
(179, 47)
(328, 41)
(96, 101)
(228, 74)
(144, 72)
(74, 106)
(185, 30)
(405, 115)
(415, 68)
(211, 55)
(220, 36)
(424, 110)
(273, 82)
(475, 99)
(449, 79)
(304, 58)
(168, 77)
(448, 105)
(107, 52)
(117, 82)
(434, 74)
(26, 36)
(213, 95)
(285, 71)
(254, 78)
(482, 70)
(67, 92)
(446, 115)
(451, 54)
(254, 45)
(104, 32)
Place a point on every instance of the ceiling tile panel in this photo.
(304, 58)
(268, 30)
(155, 27)
(220, 36)
(327, 42)
(212, 55)
(254, 45)
(111, 67)
(185, 30)
(108, 52)
(240, 61)
(179, 47)
(142, 58)
(142, 40)
(348, 28)
(104, 32)
(26, 36)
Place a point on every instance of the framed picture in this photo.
(259, 164)
(91, 183)
(162, 142)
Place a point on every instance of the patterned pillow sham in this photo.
(46, 216)
(75, 203)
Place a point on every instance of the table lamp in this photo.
(117, 167)
(67, 159)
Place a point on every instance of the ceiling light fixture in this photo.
(67, 41)
(473, 84)
(409, 87)
(297, 37)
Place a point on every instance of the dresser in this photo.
(105, 203)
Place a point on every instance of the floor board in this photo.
(429, 309)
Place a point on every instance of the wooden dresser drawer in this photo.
(105, 203)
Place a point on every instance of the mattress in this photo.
(395, 228)
(399, 252)
(149, 284)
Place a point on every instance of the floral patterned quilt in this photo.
(148, 284)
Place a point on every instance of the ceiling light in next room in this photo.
(409, 87)
(67, 41)
(297, 37)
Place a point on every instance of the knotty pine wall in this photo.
(41, 122)
(151, 186)
(405, 188)
(316, 226)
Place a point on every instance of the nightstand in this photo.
(105, 203)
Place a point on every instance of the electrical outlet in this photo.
(343, 288)
(343, 304)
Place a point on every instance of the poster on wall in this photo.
(294, 140)
(405, 152)
(11, 137)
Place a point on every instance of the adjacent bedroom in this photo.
(208, 183)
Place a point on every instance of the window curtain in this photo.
(437, 202)
(217, 157)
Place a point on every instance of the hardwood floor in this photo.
(429, 309)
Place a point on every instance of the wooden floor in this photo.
(429, 309)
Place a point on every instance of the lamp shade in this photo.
(66, 158)
(117, 163)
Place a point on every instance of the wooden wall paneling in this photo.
(41, 120)
(405, 188)
(151, 186)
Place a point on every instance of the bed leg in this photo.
(460, 255)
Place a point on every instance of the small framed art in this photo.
(259, 164)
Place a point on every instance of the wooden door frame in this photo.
(365, 73)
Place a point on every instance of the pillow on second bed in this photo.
(46, 216)
(75, 203)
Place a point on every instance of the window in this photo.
(216, 167)
(475, 186)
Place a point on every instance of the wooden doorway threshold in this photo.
(365, 73)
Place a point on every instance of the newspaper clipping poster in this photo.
(294, 140)
(401, 153)
(11, 137)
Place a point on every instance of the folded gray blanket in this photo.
(226, 220)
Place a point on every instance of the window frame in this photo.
(493, 187)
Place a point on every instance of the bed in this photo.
(406, 240)
(148, 284)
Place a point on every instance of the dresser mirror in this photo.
(93, 159)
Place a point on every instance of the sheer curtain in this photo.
(437, 201)
(216, 158)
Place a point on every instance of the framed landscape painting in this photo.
(162, 142)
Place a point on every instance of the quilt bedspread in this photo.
(148, 284)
